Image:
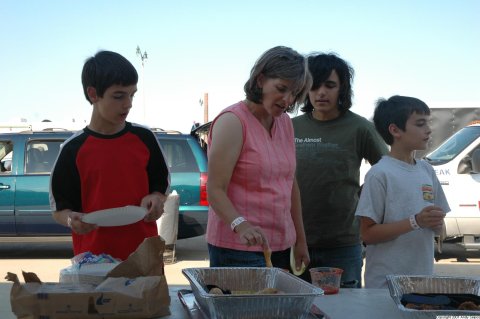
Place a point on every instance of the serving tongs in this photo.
(267, 253)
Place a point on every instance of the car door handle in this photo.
(4, 186)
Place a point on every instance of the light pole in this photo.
(143, 57)
(204, 103)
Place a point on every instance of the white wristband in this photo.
(237, 221)
(413, 222)
(69, 221)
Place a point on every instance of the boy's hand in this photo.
(430, 217)
(154, 204)
(77, 225)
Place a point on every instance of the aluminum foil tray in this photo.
(295, 301)
(401, 284)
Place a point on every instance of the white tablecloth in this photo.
(359, 304)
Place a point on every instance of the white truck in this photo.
(445, 121)
(457, 165)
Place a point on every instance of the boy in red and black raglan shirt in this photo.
(110, 163)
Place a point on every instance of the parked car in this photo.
(26, 160)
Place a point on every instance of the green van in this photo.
(27, 157)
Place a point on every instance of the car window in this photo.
(41, 155)
(178, 155)
(6, 153)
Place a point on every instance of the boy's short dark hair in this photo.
(107, 68)
(321, 66)
(396, 110)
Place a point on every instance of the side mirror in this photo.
(465, 165)
(476, 161)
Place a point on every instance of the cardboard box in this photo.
(136, 288)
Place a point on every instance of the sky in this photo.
(428, 49)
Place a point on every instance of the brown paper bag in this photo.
(147, 260)
(136, 288)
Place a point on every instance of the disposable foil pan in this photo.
(295, 300)
(402, 284)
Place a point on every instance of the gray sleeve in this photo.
(372, 198)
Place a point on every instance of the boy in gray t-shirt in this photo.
(402, 203)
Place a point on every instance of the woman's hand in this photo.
(251, 235)
(301, 255)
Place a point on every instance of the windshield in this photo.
(454, 145)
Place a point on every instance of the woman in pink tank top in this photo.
(252, 190)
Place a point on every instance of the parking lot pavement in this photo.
(47, 260)
(188, 253)
(452, 267)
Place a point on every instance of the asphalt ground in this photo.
(47, 259)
